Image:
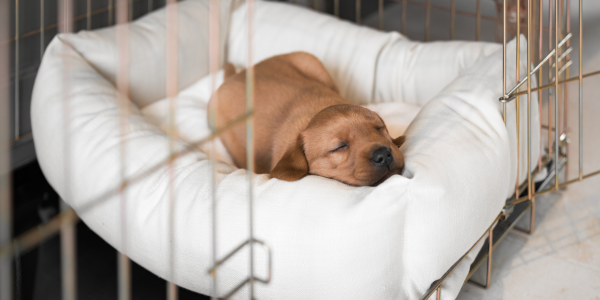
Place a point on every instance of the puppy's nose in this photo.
(382, 157)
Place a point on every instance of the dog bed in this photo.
(328, 240)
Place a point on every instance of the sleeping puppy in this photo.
(303, 126)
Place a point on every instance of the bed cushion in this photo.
(148, 37)
(329, 240)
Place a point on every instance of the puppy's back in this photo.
(289, 90)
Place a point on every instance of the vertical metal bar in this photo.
(452, 18)
(123, 264)
(566, 85)
(68, 257)
(539, 93)
(67, 232)
(380, 15)
(214, 46)
(532, 216)
(504, 60)
(404, 16)
(6, 284)
(172, 291)
(529, 79)
(357, 2)
(17, 103)
(563, 29)
(556, 55)
(89, 15)
(130, 10)
(550, 30)
(427, 18)
(490, 251)
(42, 31)
(250, 139)
(478, 21)
(172, 90)
(336, 8)
(17, 278)
(517, 102)
(438, 293)
(124, 276)
(559, 63)
(110, 12)
(580, 90)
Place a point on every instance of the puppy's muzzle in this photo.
(382, 157)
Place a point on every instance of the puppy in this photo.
(303, 126)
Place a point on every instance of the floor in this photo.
(561, 259)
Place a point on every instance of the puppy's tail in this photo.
(229, 70)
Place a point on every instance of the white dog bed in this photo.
(329, 240)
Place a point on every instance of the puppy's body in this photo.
(289, 90)
(302, 125)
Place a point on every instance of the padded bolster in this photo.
(414, 72)
(329, 240)
(367, 65)
(147, 51)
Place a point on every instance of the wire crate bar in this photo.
(554, 90)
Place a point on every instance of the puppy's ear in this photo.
(229, 70)
(293, 165)
(399, 140)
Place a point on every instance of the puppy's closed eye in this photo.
(340, 147)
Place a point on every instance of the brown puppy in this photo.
(303, 126)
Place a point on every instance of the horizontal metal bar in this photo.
(213, 270)
(543, 192)
(563, 69)
(55, 25)
(439, 282)
(579, 179)
(551, 85)
(546, 181)
(460, 12)
(509, 96)
(524, 198)
(489, 257)
(547, 128)
(563, 55)
(523, 186)
(235, 289)
(23, 137)
(501, 237)
(34, 236)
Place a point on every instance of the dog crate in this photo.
(553, 50)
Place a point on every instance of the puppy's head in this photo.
(348, 143)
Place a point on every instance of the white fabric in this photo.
(148, 38)
(329, 240)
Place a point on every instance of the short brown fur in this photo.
(303, 126)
